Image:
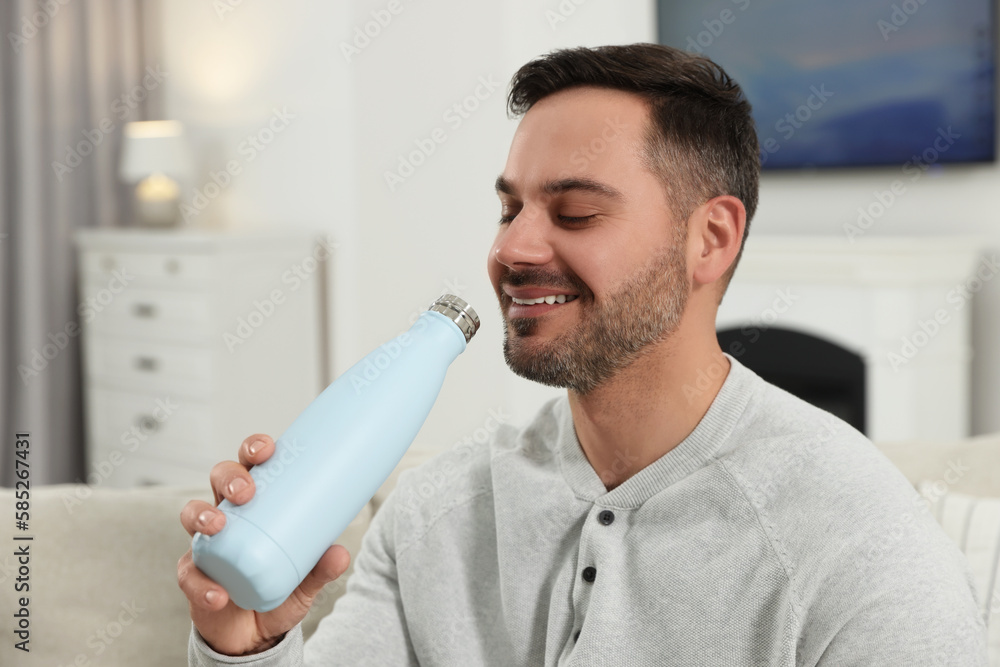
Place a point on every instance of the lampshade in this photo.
(150, 147)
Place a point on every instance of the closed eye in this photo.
(576, 220)
(565, 219)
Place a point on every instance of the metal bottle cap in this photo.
(460, 312)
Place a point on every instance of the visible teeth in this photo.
(552, 298)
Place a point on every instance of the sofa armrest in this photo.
(103, 575)
(968, 465)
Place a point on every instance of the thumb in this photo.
(278, 621)
(333, 564)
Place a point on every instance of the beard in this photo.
(611, 335)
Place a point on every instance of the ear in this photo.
(715, 233)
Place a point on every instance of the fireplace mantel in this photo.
(902, 304)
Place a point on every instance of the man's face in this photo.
(587, 225)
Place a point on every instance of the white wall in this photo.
(400, 248)
(949, 200)
(227, 74)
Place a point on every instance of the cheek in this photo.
(596, 264)
(603, 264)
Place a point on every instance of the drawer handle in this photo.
(148, 422)
(149, 364)
(172, 266)
(108, 263)
(144, 310)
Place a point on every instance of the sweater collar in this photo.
(696, 450)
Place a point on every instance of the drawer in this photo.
(138, 470)
(151, 366)
(157, 267)
(148, 313)
(158, 425)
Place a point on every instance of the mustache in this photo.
(544, 278)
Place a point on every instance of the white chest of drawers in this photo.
(193, 341)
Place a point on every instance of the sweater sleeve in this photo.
(286, 653)
(367, 625)
(905, 606)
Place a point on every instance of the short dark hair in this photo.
(701, 142)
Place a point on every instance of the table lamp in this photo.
(154, 153)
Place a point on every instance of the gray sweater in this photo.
(774, 534)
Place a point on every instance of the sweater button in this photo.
(589, 574)
(606, 517)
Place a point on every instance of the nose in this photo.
(523, 241)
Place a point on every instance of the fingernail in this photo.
(255, 447)
(211, 597)
(206, 517)
(236, 486)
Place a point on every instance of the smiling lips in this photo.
(550, 299)
(534, 301)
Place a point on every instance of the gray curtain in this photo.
(68, 78)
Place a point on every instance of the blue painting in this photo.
(853, 82)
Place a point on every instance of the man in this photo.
(640, 520)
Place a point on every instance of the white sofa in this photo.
(103, 561)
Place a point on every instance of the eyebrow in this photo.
(565, 185)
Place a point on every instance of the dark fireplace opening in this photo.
(817, 371)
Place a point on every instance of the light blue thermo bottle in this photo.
(332, 460)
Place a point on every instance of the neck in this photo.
(649, 407)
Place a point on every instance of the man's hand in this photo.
(227, 628)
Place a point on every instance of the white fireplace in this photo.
(902, 304)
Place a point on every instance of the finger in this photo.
(201, 517)
(256, 449)
(231, 481)
(198, 588)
